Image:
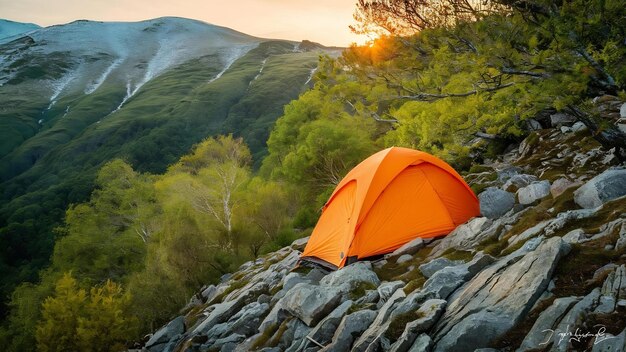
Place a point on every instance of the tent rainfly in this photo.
(389, 199)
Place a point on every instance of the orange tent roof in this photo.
(389, 199)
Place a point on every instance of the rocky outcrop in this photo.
(468, 291)
(494, 301)
(606, 186)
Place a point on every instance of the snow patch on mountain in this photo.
(232, 55)
(94, 85)
(59, 85)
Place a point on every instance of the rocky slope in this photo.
(543, 270)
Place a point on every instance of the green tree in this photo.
(75, 320)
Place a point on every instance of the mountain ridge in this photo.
(75, 96)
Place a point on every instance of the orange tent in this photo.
(389, 199)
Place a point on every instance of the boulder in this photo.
(561, 185)
(310, 303)
(404, 258)
(604, 187)
(518, 181)
(300, 243)
(350, 326)
(575, 236)
(544, 326)
(291, 280)
(324, 331)
(579, 127)
(507, 172)
(610, 343)
(380, 323)
(386, 289)
(437, 264)
(495, 202)
(410, 247)
(560, 119)
(497, 297)
(445, 281)
(223, 311)
(246, 321)
(448, 279)
(348, 277)
(622, 111)
(423, 343)
(533, 192)
(465, 236)
(166, 333)
(574, 318)
(428, 312)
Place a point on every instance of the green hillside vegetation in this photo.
(460, 84)
(55, 166)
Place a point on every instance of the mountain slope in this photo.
(10, 30)
(75, 96)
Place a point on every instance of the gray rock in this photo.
(410, 247)
(606, 305)
(615, 283)
(445, 281)
(386, 289)
(209, 292)
(350, 326)
(495, 202)
(575, 236)
(429, 312)
(166, 333)
(565, 129)
(610, 343)
(404, 258)
(310, 303)
(533, 125)
(579, 127)
(324, 331)
(423, 343)
(379, 325)
(448, 279)
(437, 264)
(466, 236)
(229, 340)
(291, 279)
(506, 173)
(223, 311)
(533, 192)
(300, 243)
(622, 111)
(370, 296)
(246, 321)
(518, 181)
(560, 119)
(574, 318)
(604, 187)
(543, 328)
(497, 298)
(348, 277)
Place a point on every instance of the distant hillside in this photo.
(77, 95)
(10, 29)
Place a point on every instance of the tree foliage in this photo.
(74, 319)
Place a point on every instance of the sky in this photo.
(322, 21)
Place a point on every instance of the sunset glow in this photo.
(324, 21)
